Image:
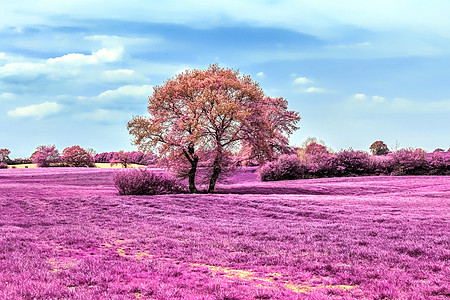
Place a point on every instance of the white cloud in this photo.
(37, 111)
(7, 95)
(68, 64)
(121, 75)
(114, 41)
(378, 99)
(360, 96)
(127, 91)
(24, 70)
(357, 45)
(77, 59)
(260, 74)
(313, 89)
(302, 80)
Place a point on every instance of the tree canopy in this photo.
(213, 114)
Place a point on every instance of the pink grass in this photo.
(65, 234)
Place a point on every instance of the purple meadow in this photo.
(66, 234)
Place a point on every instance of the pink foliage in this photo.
(410, 162)
(145, 182)
(352, 163)
(76, 156)
(315, 149)
(122, 158)
(44, 156)
(286, 167)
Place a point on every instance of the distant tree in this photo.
(215, 111)
(76, 156)
(314, 145)
(122, 158)
(439, 150)
(4, 155)
(379, 148)
(44, 156)
(91, 151)
(312, 139)
(315, 149)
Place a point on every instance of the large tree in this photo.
(212, 115)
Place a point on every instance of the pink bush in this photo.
(352, 163)
(410, 162)
(438, 163)
(286, 167)
(144, 182)
(3, 165)
(76, 156)
(381, 164)
(44, 156)
(321, 164)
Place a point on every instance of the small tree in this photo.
(4, 156)
(91, 151)
(122, 158)
(44, 156)
(379, 148)
(215, 111)
(76, 156)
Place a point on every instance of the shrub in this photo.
(44, 156)
(352, 163)
(3, 165)
(321, 165)
(410, 162)
(438, 163)
(76, 156)
(286, 167)
(381, 165)
(144, 182)
(379, 148)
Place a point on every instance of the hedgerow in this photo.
(317, 164)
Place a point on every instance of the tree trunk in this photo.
(191, 174)
(216, 172)
(193, 159)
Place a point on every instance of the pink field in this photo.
(65, 234)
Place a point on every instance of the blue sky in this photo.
(75, 72)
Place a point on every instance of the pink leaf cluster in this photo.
(76, 156)
(44, 156)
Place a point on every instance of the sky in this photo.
(357, 71)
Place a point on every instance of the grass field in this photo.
(65, 234)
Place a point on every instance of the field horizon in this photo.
(65, 233)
